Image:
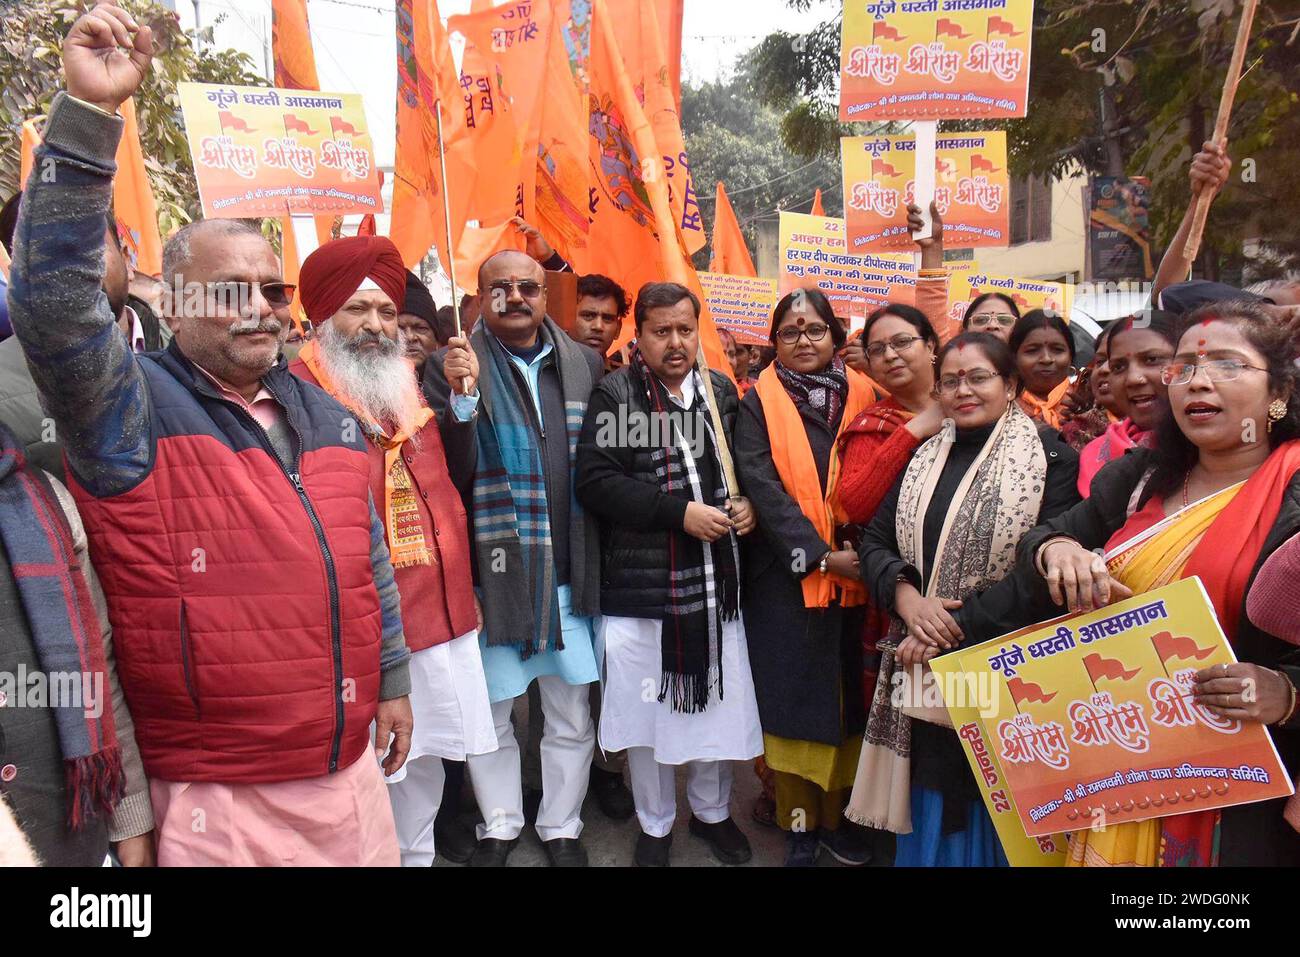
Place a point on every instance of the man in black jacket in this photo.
(677, 685)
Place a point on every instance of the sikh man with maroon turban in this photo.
(353, 291)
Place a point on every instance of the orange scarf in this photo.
(1232, 545)
(792, 455)
(403, 524)
(1045, 410)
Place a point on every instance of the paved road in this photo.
(611, 843)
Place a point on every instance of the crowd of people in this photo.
(317, 573)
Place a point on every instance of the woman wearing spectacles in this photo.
(1217, 493)
(993, 312)
(802, 598)
(1044, 351)
(946, 531)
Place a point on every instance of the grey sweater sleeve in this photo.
(133, 815)
(394, 656)
(89, 381)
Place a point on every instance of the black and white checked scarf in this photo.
(703, 579)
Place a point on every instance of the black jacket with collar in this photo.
(617, 483)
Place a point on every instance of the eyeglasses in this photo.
(815, 332)
(528, 288)
(898, 343)
(239, 295)
(1005, 319)
(1218, 370)
(949, 383)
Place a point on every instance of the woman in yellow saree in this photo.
(1215, 496)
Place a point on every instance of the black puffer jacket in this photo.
(615, 481)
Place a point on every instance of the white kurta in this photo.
(631, 716)
(449, 702)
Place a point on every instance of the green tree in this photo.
(731, 136)
(1121, 87)
(30, 75)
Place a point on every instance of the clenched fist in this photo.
(106, 55)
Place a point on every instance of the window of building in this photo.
(1031, 210)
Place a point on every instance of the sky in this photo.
(354, 42)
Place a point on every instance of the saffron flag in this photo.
(1169, 646)
(817, 208)
(133, 202)
(1101, 667)
(426, 79)
(634, 235)
(505, 53)
(295, 69)
(31, 138)
(295, 63)
(640, 34)
(564, 194)
(730, 255)
(1022, 691)
(670, 14)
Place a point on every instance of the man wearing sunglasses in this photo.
(256, 621)
(537, 554)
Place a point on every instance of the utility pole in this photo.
(1109, 127)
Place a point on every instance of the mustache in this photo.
(244, 327)
(386, 345)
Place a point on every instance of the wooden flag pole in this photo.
(1230, 82)
(446, 221)
(724, 450)
(446, 215)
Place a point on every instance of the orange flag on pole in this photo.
(634, 235)
(670, 24)
(639, 30)
(545, 76)
(730, 254)
(31, 138)
(133, 202)
(426, 77)
(817, 209)
(505, 54)
(295, 69)
(295, 62)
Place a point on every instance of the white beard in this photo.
(379, 384)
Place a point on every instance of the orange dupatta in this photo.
(403, 526)
(792, 455)
(1045, 410)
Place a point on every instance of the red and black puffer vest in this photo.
(246, 623)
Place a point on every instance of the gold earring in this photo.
(1276, 410)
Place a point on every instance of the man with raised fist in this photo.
(256, 621)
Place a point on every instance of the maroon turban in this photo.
(335, 271)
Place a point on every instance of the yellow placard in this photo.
(267, 152)
(741, 304)
(967, 284)
(814, 253)
(962, 697)
(972, 190)
(1092, 720)
(935, 59)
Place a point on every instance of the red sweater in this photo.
(872, 461)
(438, 598)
